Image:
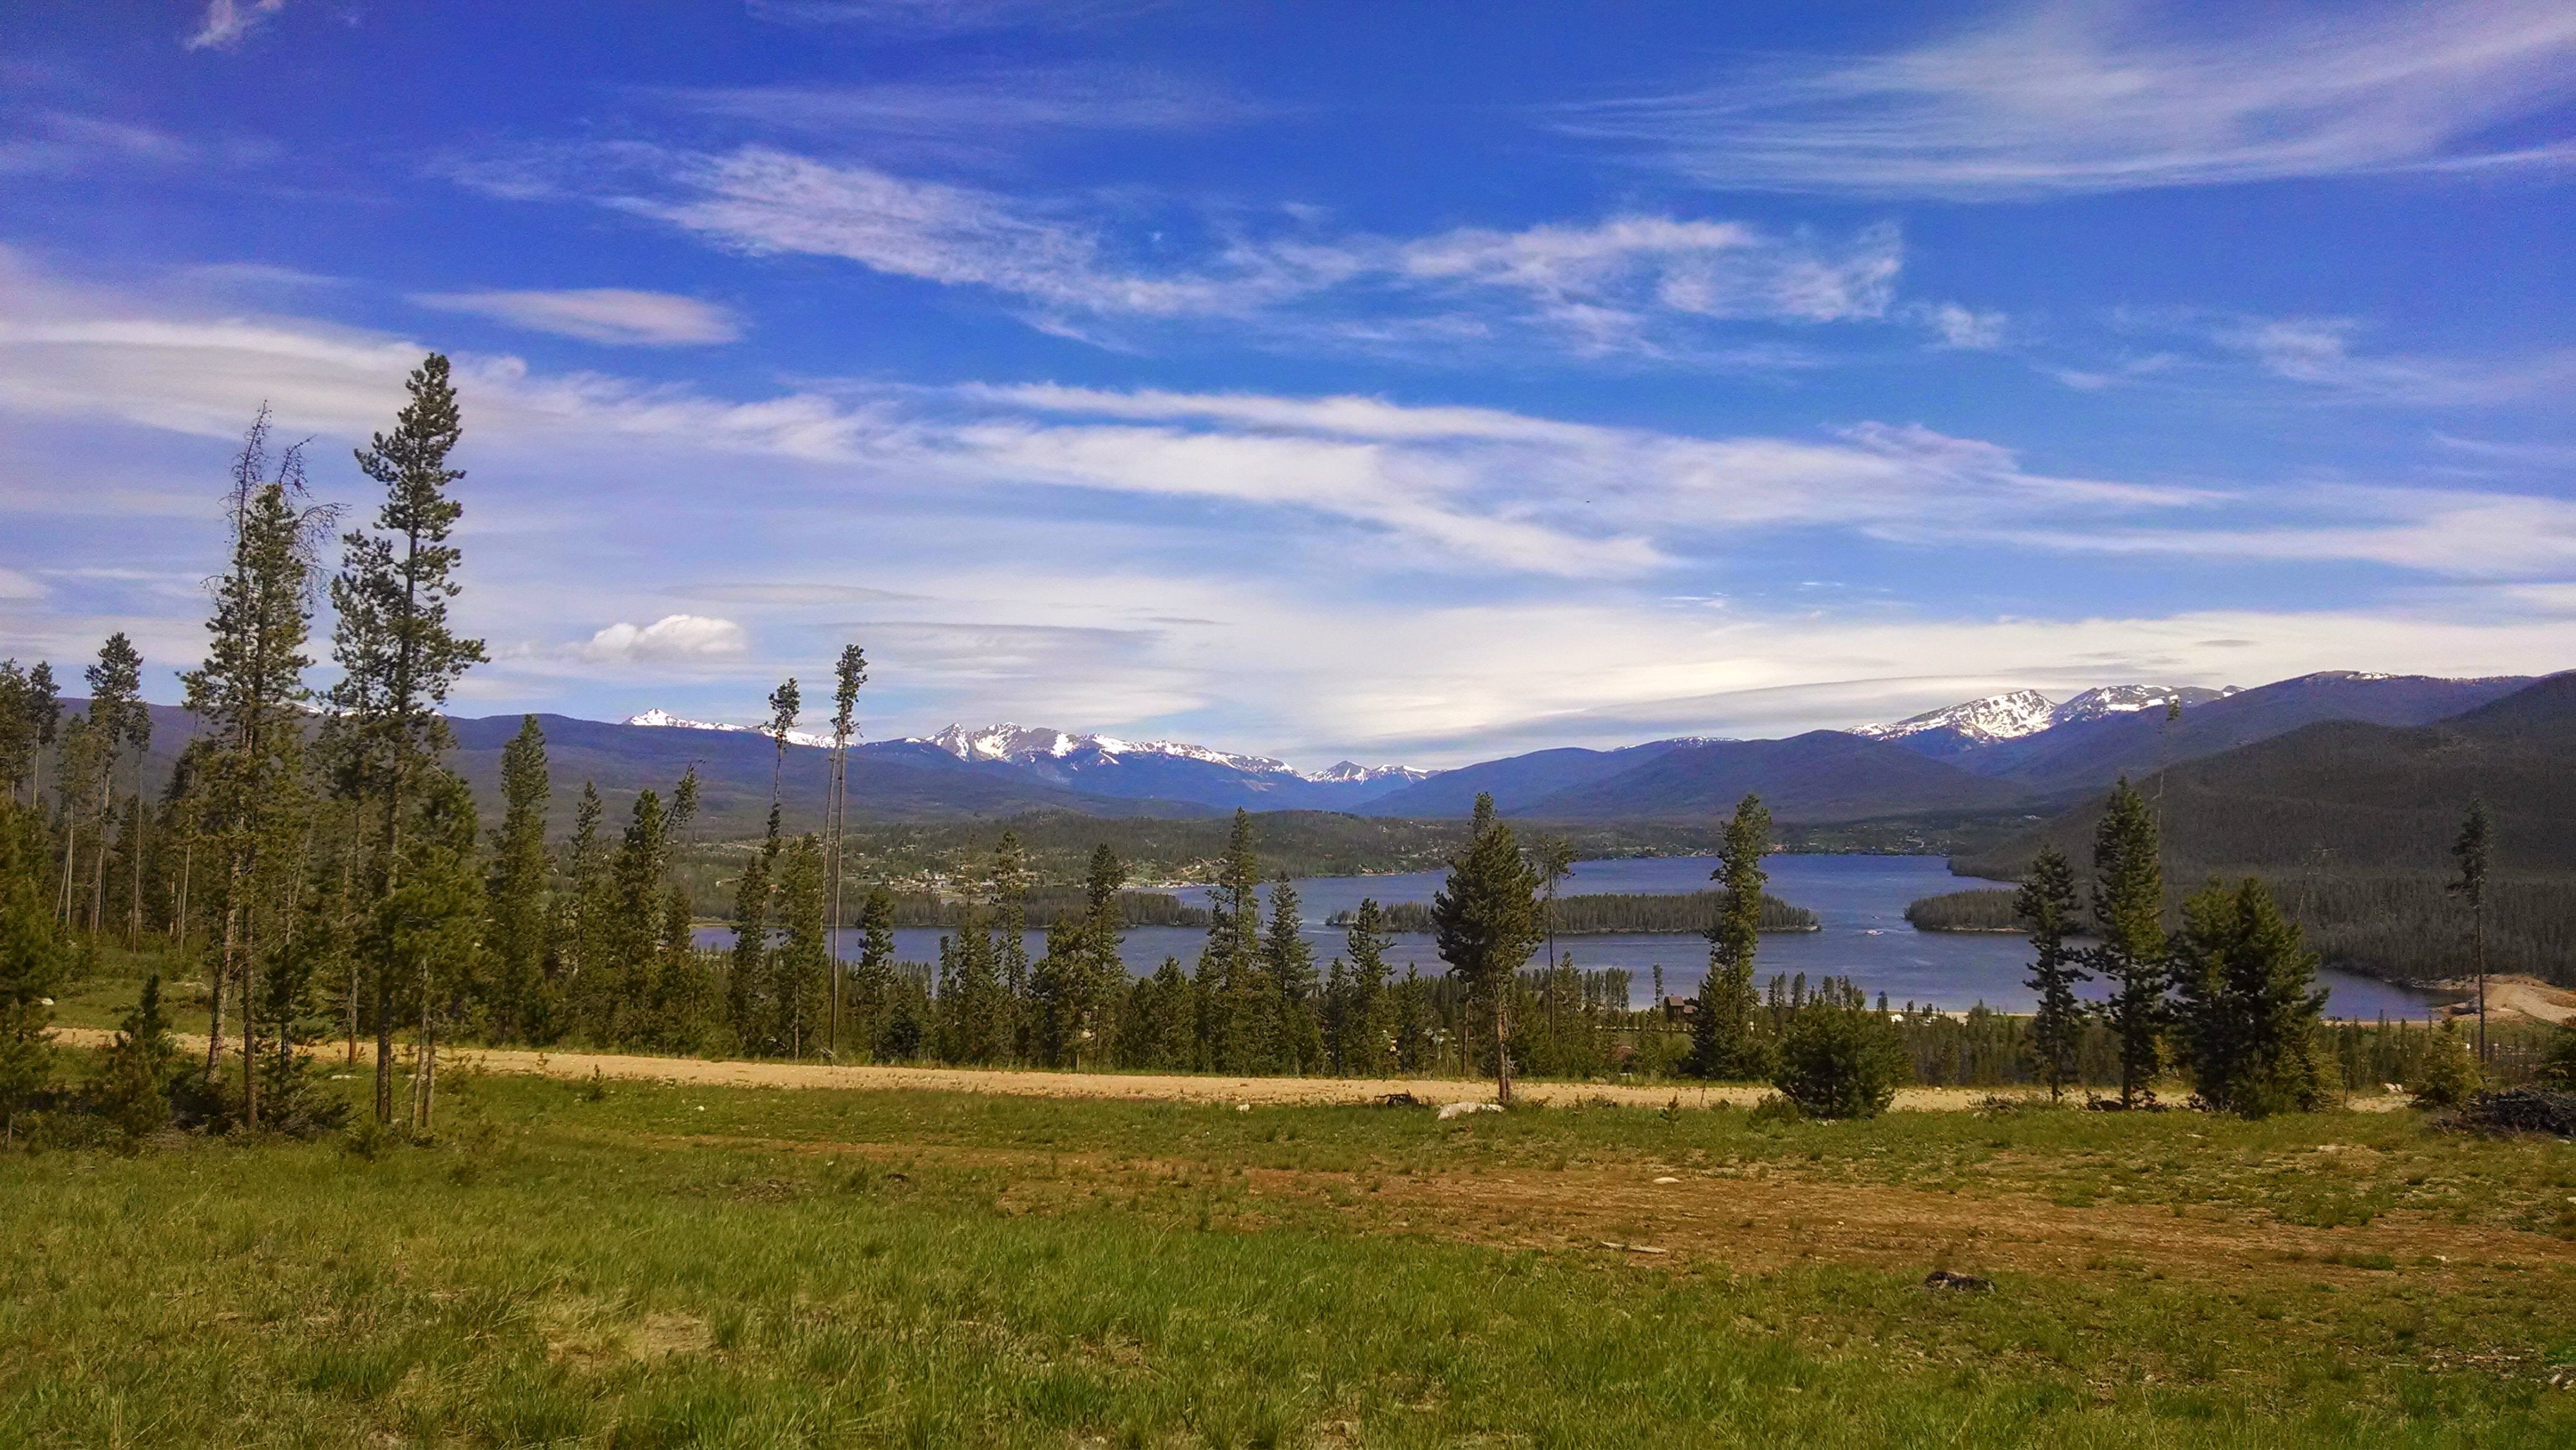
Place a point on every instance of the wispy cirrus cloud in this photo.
(598, 314)
(227, 21)
(2318, 351)
(2077, 97)
(1633, 284)
(1322, 574)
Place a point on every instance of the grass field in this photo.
(645, 1264)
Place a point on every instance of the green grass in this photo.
(691, 1266)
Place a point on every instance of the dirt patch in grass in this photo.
(1132, 1087)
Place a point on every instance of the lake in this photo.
(1860, 900)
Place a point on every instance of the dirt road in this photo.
(1138, 1087)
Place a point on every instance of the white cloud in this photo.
(1315, 576)
(2076, 97)
(2318, 351)
(1963, 328)
(56, 141)
(946, 17)
(227, 21)
(15, 585)
(1629, 283)
(599, 314)
(673, 637)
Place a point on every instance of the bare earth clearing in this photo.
(1135, 1087)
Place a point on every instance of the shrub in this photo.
(2448, 1076)
(1840, 1061)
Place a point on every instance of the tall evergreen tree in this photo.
(1485, 923)
(581, 910)
(2046, 904)
(516, 937)
(1006, 894)
(747, 995)
(32, 961)
(426, 933)
(1234, 999)
(872, 982)
(2247, 1004)
(45, 708)
(397, 655)
(250, 692)
(17, 730)
(797, 975)
(636, 934)
(848, 674)
(1368, 1024)
(1723, 1041)
(1289, 963)
(124, 725)
(2475, 851)
(2128, 919)
(784, 703)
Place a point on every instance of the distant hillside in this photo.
(1821, 776)
(2085, 755)
(1514, 781)
(2354, 823)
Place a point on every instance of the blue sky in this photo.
(1411, 383)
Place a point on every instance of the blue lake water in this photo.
(1860, 900)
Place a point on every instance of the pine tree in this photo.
(2128, 918)
(747, 996)
(1369, 1024)
(872, 984)
(972, 999)
(2247, 1004)
(1102, 982)
(848, 674)
(1485, 923)
(124, 728)
(516, 938)
(1289, 963)
(249, 691)
(2475, 851)
(44, 707)
(784, 703)
(802, 959)
(1234, 999)
(635, 938)
(17, 730)
(581, 910)
(1723, 1041)
(32, 961)
(130, 1088)
(397, 654)
(1006, 890)
(682, 995)
(2046, 904)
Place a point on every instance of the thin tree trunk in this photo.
(98, 871)
(179, 913)
(250, 1042)
(142, 824)
(2478, 940)
(71, 848)
(223, 969)
(1502, 1045)
(384, 978)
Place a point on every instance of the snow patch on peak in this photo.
(1029, 744)
(1996, 717)
(1351, 772)
(2130, 699)
(661, 719)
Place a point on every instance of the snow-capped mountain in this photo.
(1983, 722)
(1351, 772)
(1161, 769)
(2129, 699)
(1028, 744)
(658, 718)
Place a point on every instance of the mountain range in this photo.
(2017, 752)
